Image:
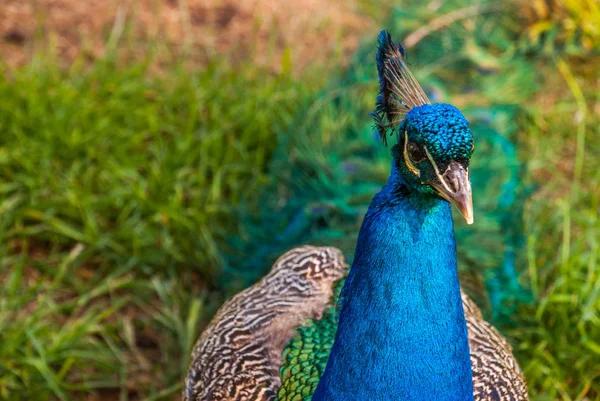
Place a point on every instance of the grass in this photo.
(116, 333)
(560, 333)
(116, 187)
(133, 166)
(119, 188)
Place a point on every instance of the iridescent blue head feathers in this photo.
(442, 129)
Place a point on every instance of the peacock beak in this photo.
(454, 186)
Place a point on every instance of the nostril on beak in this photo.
(453, 177)
(455, 184)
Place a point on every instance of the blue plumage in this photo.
(401, 332)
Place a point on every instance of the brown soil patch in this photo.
(312, 30)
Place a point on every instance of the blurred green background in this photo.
(156, 156)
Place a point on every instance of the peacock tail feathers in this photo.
(329, 162)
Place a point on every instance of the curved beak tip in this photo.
(469, 219)
(465, 207)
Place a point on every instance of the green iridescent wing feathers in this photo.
(305, 357)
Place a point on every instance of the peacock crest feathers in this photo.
(399, 91)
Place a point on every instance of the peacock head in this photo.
(433, 152)
(434, 142)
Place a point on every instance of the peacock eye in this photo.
(415, 153)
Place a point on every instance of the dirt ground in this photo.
(312, 29)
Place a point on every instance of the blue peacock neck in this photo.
(402, 333)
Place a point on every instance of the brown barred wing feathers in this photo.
(238, 356)
(496, 373)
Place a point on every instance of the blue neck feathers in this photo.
(402, 333)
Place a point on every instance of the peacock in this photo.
(402, 329)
